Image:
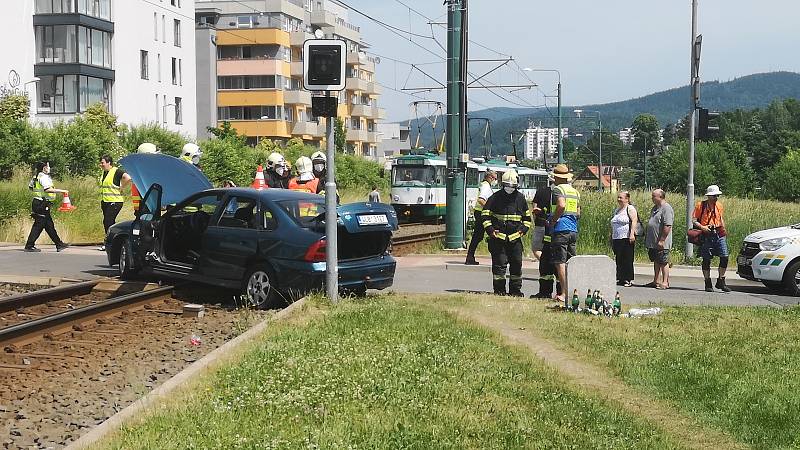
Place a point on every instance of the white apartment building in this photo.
(627, 136)
(541, 141)
(136, 56)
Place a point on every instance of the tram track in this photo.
(413, 236)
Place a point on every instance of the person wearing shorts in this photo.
(564, 214)
(658, 239)
(541, 208)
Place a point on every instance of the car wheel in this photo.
(259, 288)
(125, 269)
(775, 286)
(791, 279)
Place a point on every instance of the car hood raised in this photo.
(179, 179)
(774, 233)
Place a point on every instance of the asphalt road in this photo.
(425, 274)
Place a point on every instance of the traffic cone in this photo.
(259, 182)
(66, 204)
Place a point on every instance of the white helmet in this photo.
(147, 148)
(319, 161)
(510, 178)
(318, 155)
(274, 160)
(304, 168)
(191, 153)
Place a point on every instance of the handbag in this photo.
(695, 236)
(639, 231)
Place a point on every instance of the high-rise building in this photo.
(627, 136)
(258, 71)
(135, 56)
(541, 141)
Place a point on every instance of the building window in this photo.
(250, 113)
(249, 82)
(158, 109)
(177, 32)
(180, 72)
(175, 71)
(94, 47)
(227, 52)
(155, 26)
(163, 28)
(164, 116)
(95, 8)
(244, 22)
(69, 94)
(178, 111)
(144, 64)
(159, 67)
(56, 44)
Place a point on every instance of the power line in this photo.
(392, 27)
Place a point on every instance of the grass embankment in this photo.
(385, 373)
(736, 369)
(742, 217)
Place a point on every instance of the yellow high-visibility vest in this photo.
(109, 191)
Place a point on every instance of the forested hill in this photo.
(748, 92)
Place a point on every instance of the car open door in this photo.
(144, 229)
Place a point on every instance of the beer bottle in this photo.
(589, 299)
(617, 304)
(576, 302)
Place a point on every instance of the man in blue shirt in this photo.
(565, 212)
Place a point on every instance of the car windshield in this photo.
(308, 213)
(413, 176)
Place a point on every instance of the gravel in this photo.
(8, 289)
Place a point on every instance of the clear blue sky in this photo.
(606, 50)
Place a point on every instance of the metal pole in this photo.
(560, 139)
(645, 161)
(695, 77)
(331, 216)
(456, 116)
(600, 156)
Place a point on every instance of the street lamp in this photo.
(560, 138)
(600, 156)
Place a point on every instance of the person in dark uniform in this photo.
(44, 194)
(542, 202)
(506, 219)
(111, 192)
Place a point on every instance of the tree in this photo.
(646, 139)
(169, 142)
(14, 106)
(781, 183)
(97, 114)
(339, 135)
(225, 131)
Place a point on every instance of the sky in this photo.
(606, 51)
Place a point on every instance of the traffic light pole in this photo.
(456, 121)
(331, 216)
(694, 82)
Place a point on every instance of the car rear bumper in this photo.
(370, 273)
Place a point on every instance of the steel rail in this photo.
(29, 331)
(14, 302)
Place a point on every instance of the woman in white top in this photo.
(623, 237)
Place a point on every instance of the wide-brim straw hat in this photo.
(561, 171)
(713, 190)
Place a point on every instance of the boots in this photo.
(499, 287)
(721, 285)
(708, 285)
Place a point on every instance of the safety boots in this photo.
(709, 288)
(721, 285)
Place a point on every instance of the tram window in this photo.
(472, 177)
(540, 181)
(413, 176)
(440, 174)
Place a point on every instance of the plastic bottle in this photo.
(576, 302)
(617, 305)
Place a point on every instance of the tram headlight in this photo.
(396, 198)
(420, 199)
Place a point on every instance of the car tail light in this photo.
(316, 252)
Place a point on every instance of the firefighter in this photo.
(506, 219)
(276, 168)
(305, 181)
(191, 153)
(136, 196)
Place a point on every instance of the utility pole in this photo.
(694, 99)
(560, 138)
(600, 156)
(456, 121)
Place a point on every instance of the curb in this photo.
(221, 354)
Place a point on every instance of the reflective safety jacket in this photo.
(311, 186)
(507, 214)
(136, 198)
(478, 206)
(40, 193)
(110, 192)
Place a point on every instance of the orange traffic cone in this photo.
(66, 204)
(259, 182)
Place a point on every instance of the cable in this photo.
(382, 23)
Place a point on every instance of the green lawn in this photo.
(386, 373)
(737, 369)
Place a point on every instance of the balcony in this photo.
(357, 135)
(366, 63)
(321, 17)
(304, 128)
(373, 137)
(296, 68)
(372, 112)
(298, 97)
(373, 89)
(297, 38)
(356, 84)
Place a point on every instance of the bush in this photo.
(15, 106)
(227, 159)
(782, 180)
(169, 142)
(18, 142)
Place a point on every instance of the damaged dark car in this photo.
(268, 244)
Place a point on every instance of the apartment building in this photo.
(258, 71)
(135, 56)
(627, 136)
(541, 141)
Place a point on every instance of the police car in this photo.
(773, 258)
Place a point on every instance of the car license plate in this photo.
(742, 261)
(373, 219)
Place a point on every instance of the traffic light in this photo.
(707, 124)
(324, 64)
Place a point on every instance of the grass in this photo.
(737, 369)
(385, 373)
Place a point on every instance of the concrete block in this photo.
(595, 272)
(193, 310)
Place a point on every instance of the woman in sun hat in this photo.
(708, 217)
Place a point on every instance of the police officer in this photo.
(44, 194)
(506, 219)
(110, 190)
(275, 177)
(484, 192)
